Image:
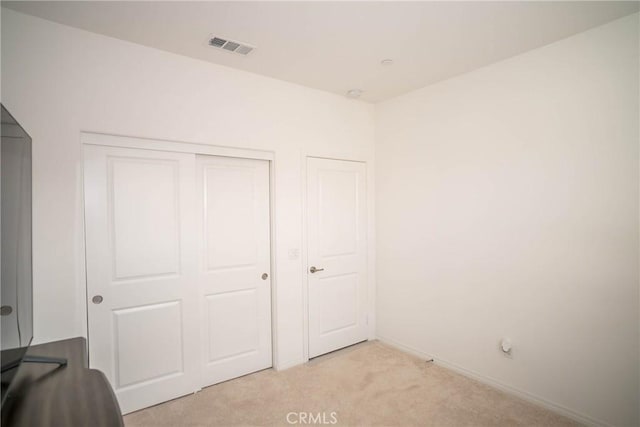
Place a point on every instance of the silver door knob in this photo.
(265, 276)
(97, 299)
(313, 269)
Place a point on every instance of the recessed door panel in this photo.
(230, 220)
(340, 293)
(143, 354)
(337, 212)
(337, 248)
(233, 308)
(141, 189)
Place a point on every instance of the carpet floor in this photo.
(369, 384)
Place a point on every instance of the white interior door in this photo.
(337, 254)
(141, 272)
(234, 266)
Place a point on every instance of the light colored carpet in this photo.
(364, 385)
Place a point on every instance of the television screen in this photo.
(16, 303)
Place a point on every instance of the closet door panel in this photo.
(235, 282)
(143, 309)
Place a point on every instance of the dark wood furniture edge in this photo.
(71, 395)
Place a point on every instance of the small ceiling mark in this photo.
(354, 93)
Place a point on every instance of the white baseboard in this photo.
(559, 409)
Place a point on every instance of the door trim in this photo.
(110, 140)
(370, 231)
(92, 138)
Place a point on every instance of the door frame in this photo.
(370, 233)
(120, 141)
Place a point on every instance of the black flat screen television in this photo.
(16, 300)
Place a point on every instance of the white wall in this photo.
(507, 206)
(58, 81)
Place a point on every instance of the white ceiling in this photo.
(337, 46)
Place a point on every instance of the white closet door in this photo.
(337, 254)
(141, 272)
(234, 266)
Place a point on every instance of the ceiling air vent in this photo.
(230, 46)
